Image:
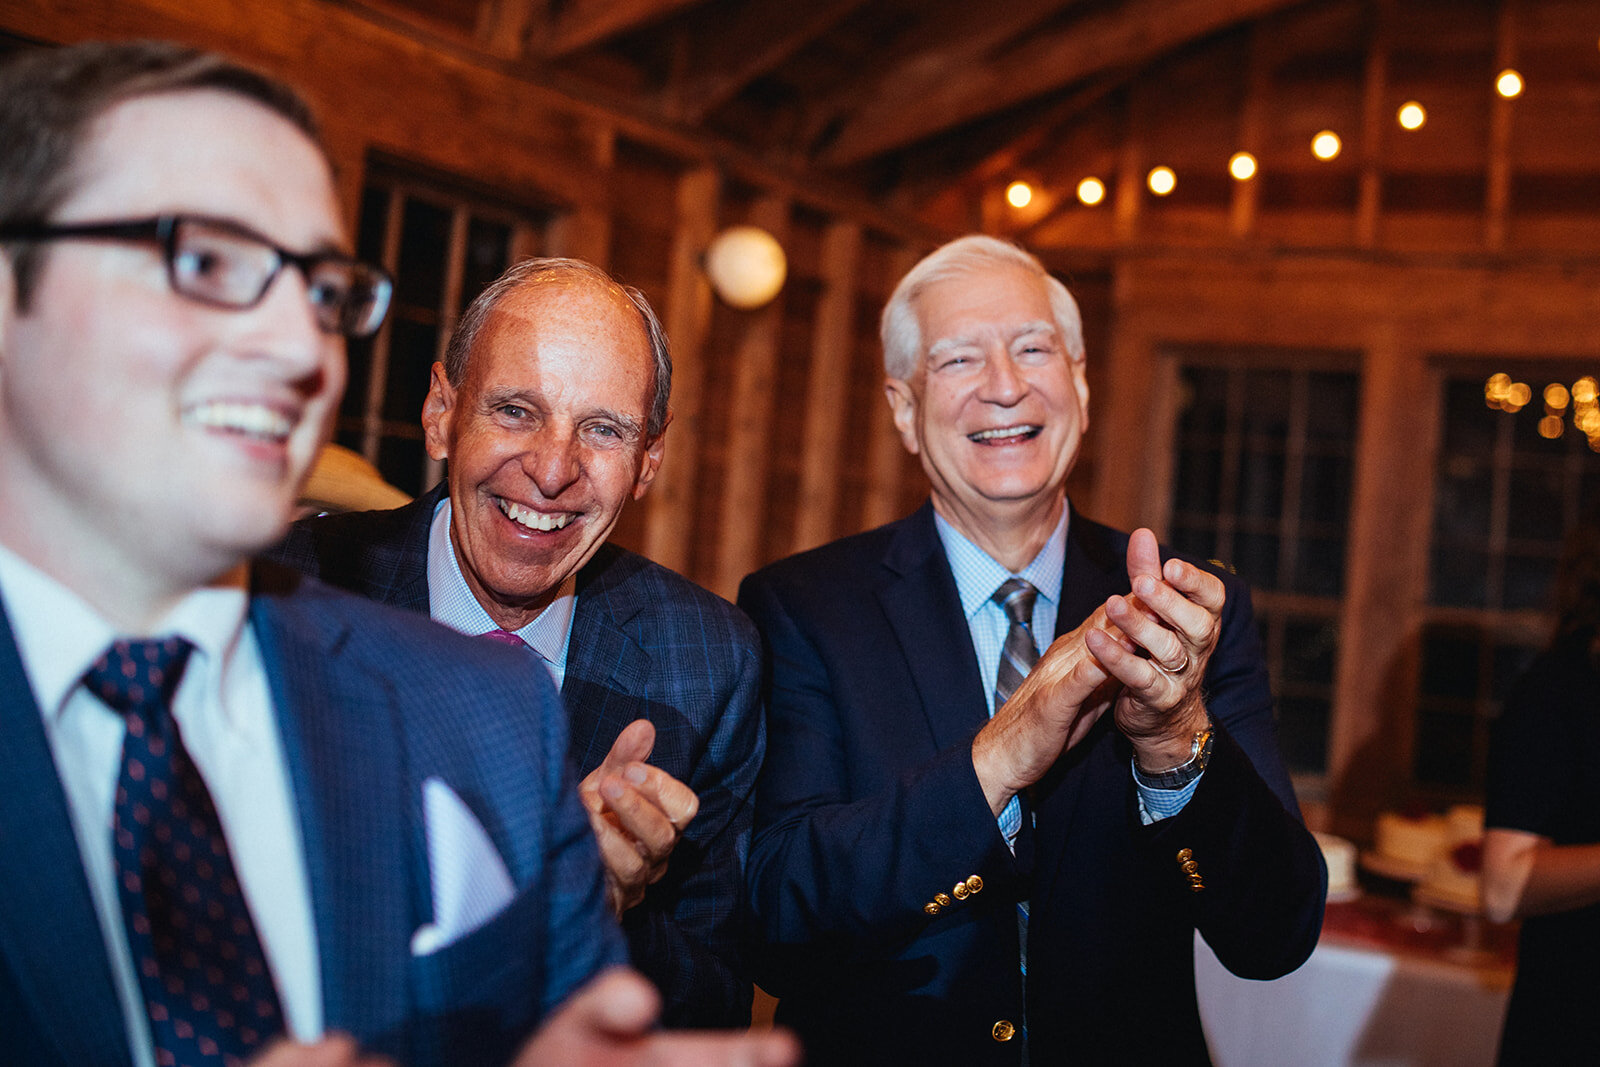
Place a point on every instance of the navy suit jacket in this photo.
(646, 644)
(370, 702)
(869, 806)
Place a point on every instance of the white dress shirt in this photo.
(224, 711)
(452, 602)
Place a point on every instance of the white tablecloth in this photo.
(1350, 1005)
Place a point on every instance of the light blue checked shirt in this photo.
(977, 576)
(451, 602)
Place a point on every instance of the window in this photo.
(444, 247)
(1261, 483)
(1504, 499)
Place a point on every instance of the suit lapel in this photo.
(607, 674)
(924, 610)
(406, 585)
(50, 938)
(341, 740)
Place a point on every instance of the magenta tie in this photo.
(504, 637)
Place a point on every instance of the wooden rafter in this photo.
(965, 80)
(729, 54)
(577, 24)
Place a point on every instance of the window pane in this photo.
(1260, 486)
(488, 255)
(1331, 414)
(1529, 581)
(1206, 409)
(1319, 567)
(1460, 577)
(1310, 648)
(412, 349)
(1199, 480)
(1256, 558)
(424, 249)
(1303, 733)
(1325, 489)
(1192, 540)
(1535, 510)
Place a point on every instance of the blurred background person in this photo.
(1541, 858)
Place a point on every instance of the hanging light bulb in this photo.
(1326, 145)
(1242, 166)
(1412, 115)
(1162, 180)
(1019, 194)
(1091, 191)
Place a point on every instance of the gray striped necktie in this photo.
(1019, 653)
(1017, 658)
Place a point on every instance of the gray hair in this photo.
(900, 331)
(541, 268)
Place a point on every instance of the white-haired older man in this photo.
(970, 853)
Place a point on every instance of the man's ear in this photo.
(654, 449)
(438, 413)
(903, 406)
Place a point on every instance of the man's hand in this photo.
(338, 1050)
(608, 1023)
(1174, 618)
(1054, 707)
(638, 812)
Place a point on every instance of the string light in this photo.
(1412, 115)
(1091, 191)
(1508, 84)
(1326, 145)
(1162, 181)
(1242, 166)
(1019, 194)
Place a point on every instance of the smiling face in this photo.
(149, 443)
(996, 409)
(546, 438)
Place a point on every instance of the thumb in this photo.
(1144, 555)
(633, 743)
(618, 1002)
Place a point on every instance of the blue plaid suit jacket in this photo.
(370, 702)
(646, 643)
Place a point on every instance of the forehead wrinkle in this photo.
(973, 338)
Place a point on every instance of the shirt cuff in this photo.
(1157, 804)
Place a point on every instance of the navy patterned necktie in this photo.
(201, 969)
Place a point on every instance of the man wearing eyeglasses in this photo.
(233, 804)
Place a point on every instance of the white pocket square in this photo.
(469, 879)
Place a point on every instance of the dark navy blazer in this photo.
(869, 807)
(370, 703)
(646, 644)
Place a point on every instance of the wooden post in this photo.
(670, 520)
(1374, 124)
(1247, 194)
(744, 488)
(1497, 194)
(828, 391)
(885, 465)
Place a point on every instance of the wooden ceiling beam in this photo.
(759, 37)
(944, 88)
(577, 24)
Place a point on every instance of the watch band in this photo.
(1185, 772)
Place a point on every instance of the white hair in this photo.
(900, 331)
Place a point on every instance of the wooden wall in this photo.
(780, 438)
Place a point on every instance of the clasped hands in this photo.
(1142, 657)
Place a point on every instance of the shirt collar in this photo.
(59, 636)
(979, 574)
(450, 599)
